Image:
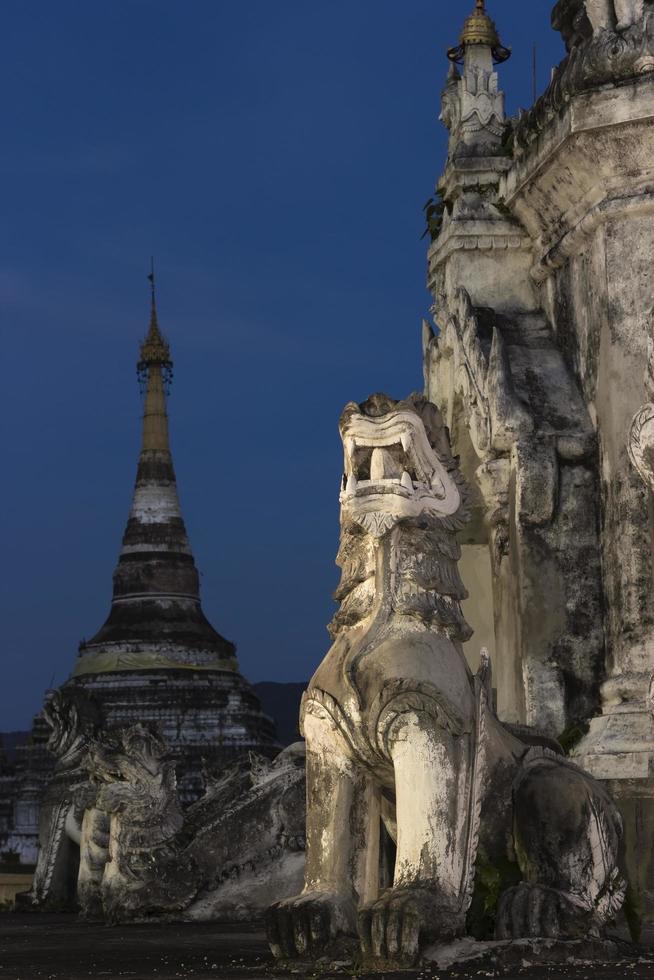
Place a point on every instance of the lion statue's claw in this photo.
(394, 928)
(306, 926)
(536, 911)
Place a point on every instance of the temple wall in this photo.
(575, 300)
(544, 299)
(601, 304)
(501, 278)
(621, 391)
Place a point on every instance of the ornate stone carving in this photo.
(527, 446)
(607, 15)
(114, 800)
(74, 719)
(472, 108)
(641, 443)
(607, 41)
(398, 729)
(472, 102)
(641, 434)
(225, 857)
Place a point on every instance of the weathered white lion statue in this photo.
(400, 733)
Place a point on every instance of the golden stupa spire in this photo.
(155, 370)
(479, 29)
(154, 349)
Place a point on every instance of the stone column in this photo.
(619, 746)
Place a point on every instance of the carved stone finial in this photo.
(479, 29)
(472, 104)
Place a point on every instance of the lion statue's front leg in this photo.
(341, 897)
(430, 768)
(340, 846)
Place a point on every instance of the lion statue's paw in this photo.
(536, 911)
(309, 924)
(397, 925)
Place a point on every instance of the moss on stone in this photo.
(573, 735)
(633, 912)
(491, 881)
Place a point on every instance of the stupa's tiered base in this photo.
(209, 718)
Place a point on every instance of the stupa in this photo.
(157, 658)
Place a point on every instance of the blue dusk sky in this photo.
(274, 158)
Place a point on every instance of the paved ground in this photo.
(60, 947)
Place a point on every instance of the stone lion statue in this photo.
(399, 733)
(116, 842)
(228, 856)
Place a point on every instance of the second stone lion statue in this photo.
(226, 857)
(399, 733)
(117, 843)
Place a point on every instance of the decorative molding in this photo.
(377, 523)
(641, 443)
(447, 244)
(607, 40)
(571, 242)
(472, 107)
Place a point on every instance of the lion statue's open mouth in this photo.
(392, 462)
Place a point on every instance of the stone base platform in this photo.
(43, 946)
